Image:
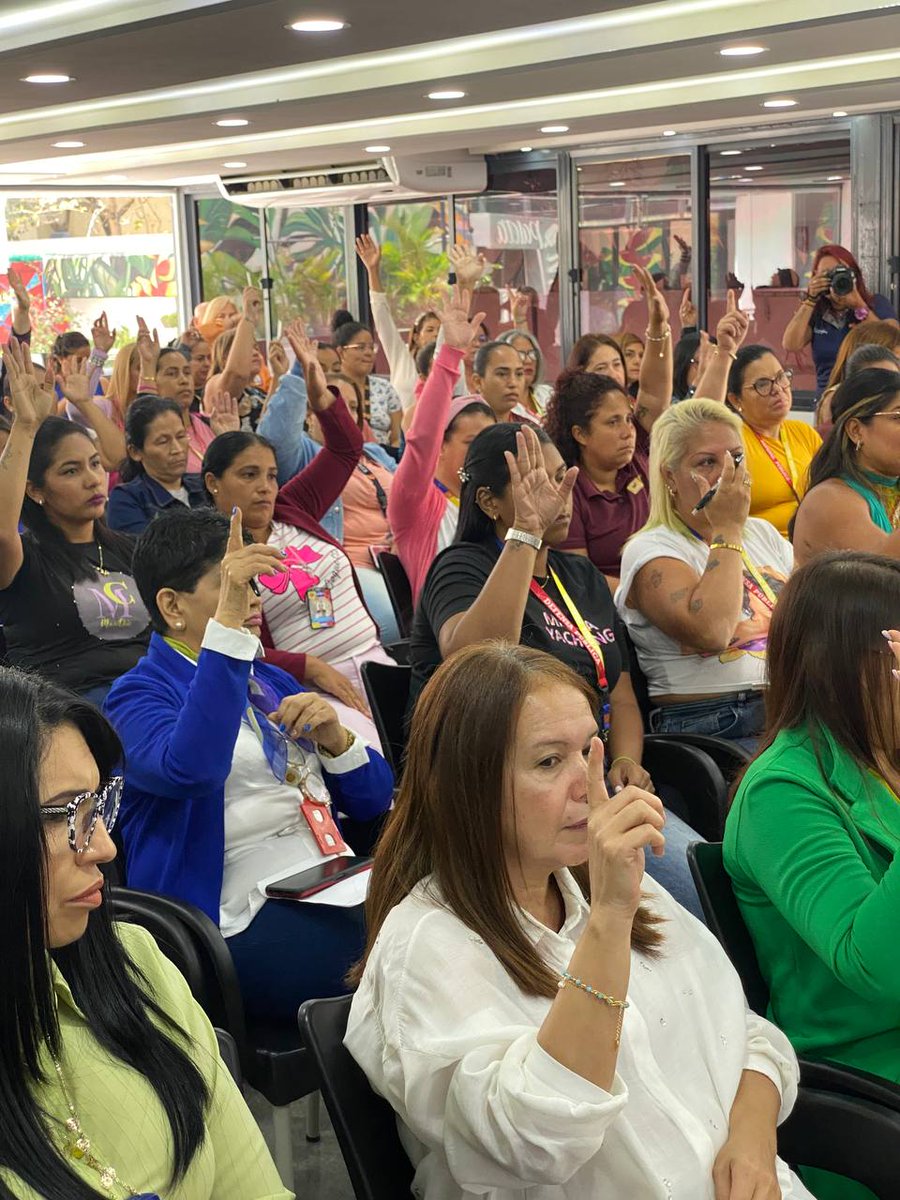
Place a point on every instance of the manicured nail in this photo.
(234, 510)
(895, 673)
(283, 553)
(886, 633)
(307, 728)
(283, 728)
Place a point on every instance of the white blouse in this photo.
(445, 1036)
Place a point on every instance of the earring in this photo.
(179, 624)
(856, 446)
(215, 491)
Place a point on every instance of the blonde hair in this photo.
(120, 391)
(670, 441)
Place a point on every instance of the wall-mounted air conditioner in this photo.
(379, 180)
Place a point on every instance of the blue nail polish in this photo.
(307, 728)
(283, 728)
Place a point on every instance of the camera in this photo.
(841, 281)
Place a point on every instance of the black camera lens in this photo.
(841, 281)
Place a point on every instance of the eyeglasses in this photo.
(362, 346)
(528, 355)
(763, 387)
(894, 415)
(84, 811)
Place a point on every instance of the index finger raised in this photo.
(596, 780)
(235, 531)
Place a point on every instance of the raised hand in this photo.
(538, 500)
(519, 305)
(225, 416)
(730, 507)
(241, 564)
(148, 348)
(317, 391)
(76, 386)
(369, 252)
(102, 337)
(657, 309)
(31, 400)
(278, 360)
(17, 287)
(619, 827)
(252, 303)
(459, 330)
(687, 310)
(469, 267)
(732, 327)
(705, 352)
(191, 336)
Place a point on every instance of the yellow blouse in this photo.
(771, 497)
(122, 1116)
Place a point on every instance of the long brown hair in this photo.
(828, 664)
(447, 819)
(867, 333)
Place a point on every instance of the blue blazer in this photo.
(179, 723)
(132, 506)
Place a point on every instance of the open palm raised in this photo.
(538, 499)
(31, 400)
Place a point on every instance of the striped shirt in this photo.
(314, 563)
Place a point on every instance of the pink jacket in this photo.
(415, 506)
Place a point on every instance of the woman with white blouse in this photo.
(544, 1019)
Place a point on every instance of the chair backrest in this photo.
(399, 590)
(695, 787)
(364, 1123)
(638, 679)
(387, 690)
(193, 942)
(229, 1054)
(723, 916)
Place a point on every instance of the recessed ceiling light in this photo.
(617, 183)
(752, 168)
(746, 51)
(839, 113)
(67, 145)
(525, 149)
(232, 122)
(377, 149)
(730, 153)
(779, 103)
(834, 178)
(554, 129)
(669, 132)
(446, 94)
(48, 78)
(317, 25)
(234, 165)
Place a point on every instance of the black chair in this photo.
(725, 922)
(229, 1052)
(271, 1058)
(364, 1123)
(387, 690)
(398, 589)
(702, 794)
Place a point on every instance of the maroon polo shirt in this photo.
(602, 522)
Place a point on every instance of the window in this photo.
(414, 238)
(231, 256)
(82, 255)
(308, 266)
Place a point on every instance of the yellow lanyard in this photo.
(576, 616)
(749, 567)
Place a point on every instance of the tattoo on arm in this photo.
(712, 562)
(655, 579)
(677, 597)
(641, 412)
(695, 605)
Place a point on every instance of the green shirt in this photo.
(121, 1114)
(811, 846)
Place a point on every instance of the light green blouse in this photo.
(121, 1114)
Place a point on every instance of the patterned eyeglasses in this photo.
(84, 811)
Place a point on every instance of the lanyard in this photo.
(380, 493)
(578, 630)
(442, 487)
(791, 473)
(756, 582)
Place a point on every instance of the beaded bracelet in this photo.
(610, 1001)
(663, 337)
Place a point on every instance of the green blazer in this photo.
(811, 846)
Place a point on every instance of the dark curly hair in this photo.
(576, 397)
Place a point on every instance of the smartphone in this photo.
(316, 879)
(702, 503)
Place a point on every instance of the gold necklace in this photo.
(78, 1146)
(100, 569)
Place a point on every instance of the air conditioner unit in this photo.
(379, 180)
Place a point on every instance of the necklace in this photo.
(101, 570)
(78, 1146)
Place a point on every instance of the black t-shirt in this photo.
(80, 635)
(455, 580)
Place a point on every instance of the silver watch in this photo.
(519, 535)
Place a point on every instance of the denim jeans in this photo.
(738, 717)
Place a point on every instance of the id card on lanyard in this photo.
(791, 473)
(578, 628)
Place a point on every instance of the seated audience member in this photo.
(236, 363)
(423, 506)
(499, 376)
(534, 1007)
(227, 765)
(882, 341)
(591, 420)
(698, 588)
(812, 837)
(712, 358)
(123, 383)
(778, 449)
(825, 317)
(72, 351)
(68, 605)
(686, 366)
(535, 393)
(356, 350)
(424, 359)
(219, 314)
(401, 355)
(92, 412)
(112, 1080)
(154, 476)
(854, 498)
(633, 352)
(315, 624)
(192, 343)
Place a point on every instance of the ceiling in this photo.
(151, 78)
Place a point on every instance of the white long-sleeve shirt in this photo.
(401, 364)
(446, 1037)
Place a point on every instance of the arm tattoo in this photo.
(677, 597)
(712, 563)
(655, 579)
(695, 605)
(641, 411)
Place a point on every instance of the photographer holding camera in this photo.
(836, 300)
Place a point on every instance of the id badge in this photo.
(321, 609)
(321, 822)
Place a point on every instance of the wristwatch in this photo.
(861, 313)
(519, 535)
